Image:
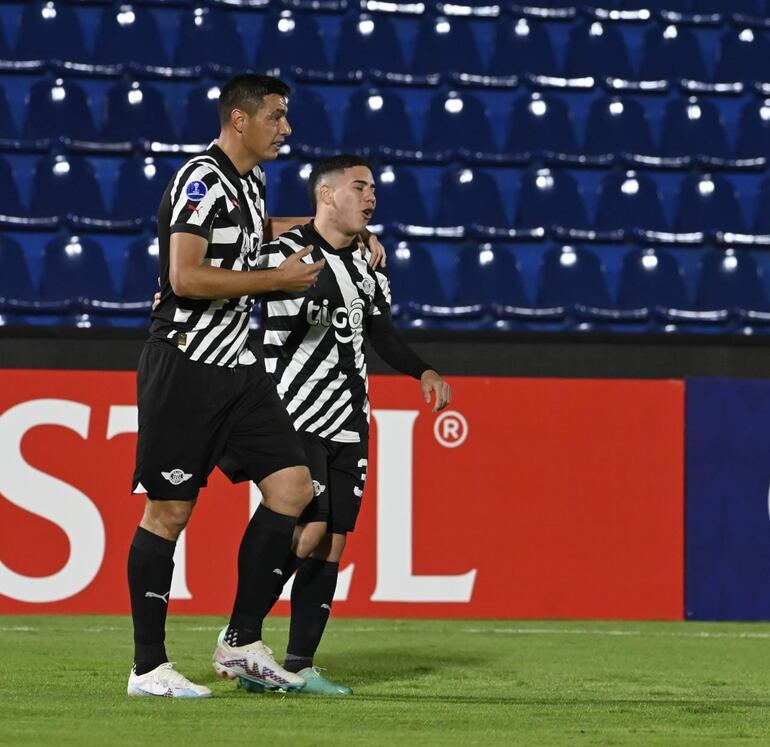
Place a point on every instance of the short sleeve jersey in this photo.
(207, 197)
(314, 341)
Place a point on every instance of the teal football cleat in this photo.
(317, 684)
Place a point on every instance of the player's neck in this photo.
(243, 159)
(331, 233)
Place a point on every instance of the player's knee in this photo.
(309, 538)
(288, 491)
(168, 518)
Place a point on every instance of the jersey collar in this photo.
(320, 241)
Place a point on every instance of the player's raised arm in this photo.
(191, 277)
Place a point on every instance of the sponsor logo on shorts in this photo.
(318, 488)
(176, 476)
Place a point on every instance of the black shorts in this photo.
(195, 416)
(339, 474)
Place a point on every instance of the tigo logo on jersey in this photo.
(196, 191)
(176, 476)
(342, 319)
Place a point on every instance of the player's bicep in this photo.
(186, 252)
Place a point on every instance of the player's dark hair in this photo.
(246, 92)
(329, 166)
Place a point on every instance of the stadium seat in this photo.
(469, 196)
(208, 36)
(762, 209)
(671, 52)
(11, 204)
(141, 183)
(310, 122)
(597, 49)
(58, 108)
(140, 277)
(754, 130)
(399, 198)
(451, 117)
(708, 203)
(64, 185)
(618, 126)
(522, 45)
(629, 200)
(378, 117)
(8, 130)
(744, 55)
(651, 279)
(129, 32)
(136, 111)
(693, 127)
(16, 288)
(548, 198)
(730, 280)
(50, 30)
(290, 39)
(75, 272)
(414, 280)
(489, 276)
(540, 124)
(446, 44)
(202, 114)
(5, 50)
(369, 41)
(293, 197)
(713, 7)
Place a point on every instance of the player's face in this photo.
(354, 199)
(265, 130)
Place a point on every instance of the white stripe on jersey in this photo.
(214, 332)
(309, 344)
(328, 363)
(320, 402)
(337, 423)
(343, 399)
(276, 336)
(289, 307)
(235, 332)
(225, 235)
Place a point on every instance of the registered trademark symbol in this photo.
(450, 429)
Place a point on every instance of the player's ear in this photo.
(237, 118)
(326, 193)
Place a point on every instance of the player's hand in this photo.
(378, 258)
(297, 276)
(155, 300)
(431, 383)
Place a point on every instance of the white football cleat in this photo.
(253, 662)
(164, 681)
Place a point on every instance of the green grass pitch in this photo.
(63, 682)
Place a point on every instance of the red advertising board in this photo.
(531, 498)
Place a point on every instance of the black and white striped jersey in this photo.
(313, 341)
(209, 198)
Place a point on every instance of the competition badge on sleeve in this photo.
(196, 191)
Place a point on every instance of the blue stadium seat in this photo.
(693, 127)
(651, 279)
(522, 45)
(58, 108)
(136, 111)
(549, 198)
(597, 49)
(8, 129)
(629, 200)
(489, 276)
(730, 280)
(291, 39)
(399, 197)
(744, 55)
(209, 36)
(141, 183)
(75, 272)
(671, 52)
(129, 32)
(140, 277)
(378, 116)
(708, 203)
(469, 197)
(572, 278)
(50, 30)
(65, 185)
(747, 7)
(414, 280)
(451, 117)
(618, 126)
(16, 288)
(446, 44)
(11, 204)
(754, 130)
(369, 41)
(762, 210)
(310, 121)
(540, 124)
(293, 197)
(202, 114)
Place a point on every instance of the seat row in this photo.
(129, 35)
(571, 288)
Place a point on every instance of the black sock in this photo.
(150, 568)
(264, 547)
(311, 604)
